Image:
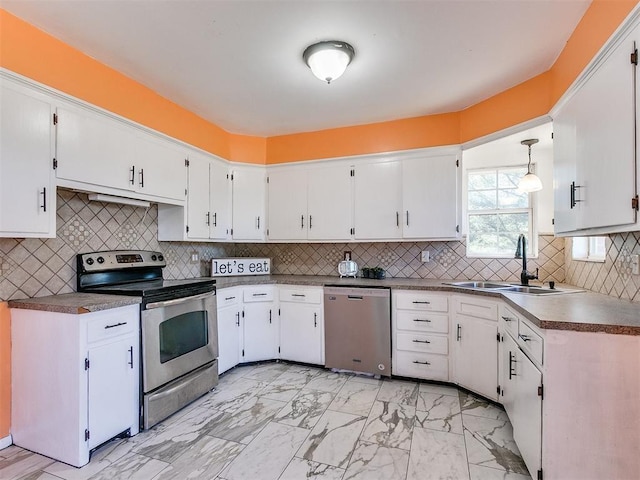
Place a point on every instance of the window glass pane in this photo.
(482, 180)
(482, 200)
(597, 247)
(513, 199)
(483, 233)
(510, 178)
(514, 223)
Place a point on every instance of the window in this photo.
(498, 213)
(589, 249)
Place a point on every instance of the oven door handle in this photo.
(179, 301)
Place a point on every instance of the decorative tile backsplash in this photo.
(613, 277)
(38, 267)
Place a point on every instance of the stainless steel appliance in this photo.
(178, 326)
(358, 329)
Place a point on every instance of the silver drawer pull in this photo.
(508, 319)
(298, 295)
(421, 341)
(229, 298)
(259, 294)
(525, 338)
(422, 320)
(421, 302)
(115, 325)
(421, 363)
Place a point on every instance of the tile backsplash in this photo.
(612, 277)
(39, 267)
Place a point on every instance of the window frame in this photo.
(586, 250)
(532, 239)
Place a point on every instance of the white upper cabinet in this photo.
(93, 149)
(378, 201)
(27, 193)
(198, 197)
(219, 200)
(99, 153)
(248, 204)
(330, 202)
(287, 192)
(430, 197)
(594, 147)
(160, 167)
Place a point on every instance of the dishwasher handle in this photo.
(355, 297)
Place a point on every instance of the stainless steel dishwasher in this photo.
(358, 329)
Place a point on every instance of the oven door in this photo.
(178, 336)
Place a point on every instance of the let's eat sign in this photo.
(229, 267)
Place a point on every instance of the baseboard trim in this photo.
(5, 442)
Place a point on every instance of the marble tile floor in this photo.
(280, 421)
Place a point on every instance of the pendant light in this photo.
(328, 60)
(530, 182)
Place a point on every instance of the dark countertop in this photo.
(75, 303)
(583, 311)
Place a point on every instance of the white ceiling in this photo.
(238, 63)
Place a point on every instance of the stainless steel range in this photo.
(178, 324)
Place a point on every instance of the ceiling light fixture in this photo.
(530, 182)
(328, 60)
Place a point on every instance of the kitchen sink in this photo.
(537, 290)
(482, 285)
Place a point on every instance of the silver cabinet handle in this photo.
(258, 223)
(315, 319)
(119, 324)
(459, 333)
(301, 221)
(238, 319)
(258, 294)
(525, 338)
(421, 363)
(133, 175)
(398, 219)
(310, 222)
(298, 295)
(421, 302)
(421, 341)
(507, 319)
(208, 219)
(215, 219)
(512, 360)
(422, 320)
(407, 218)
(141, 175)
(130, 362)
(229, 298)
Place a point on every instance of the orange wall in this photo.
(5, 370)
(33, 53)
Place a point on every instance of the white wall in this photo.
(508, 151)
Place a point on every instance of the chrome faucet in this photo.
(521, 252)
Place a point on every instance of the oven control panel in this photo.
(120, 259)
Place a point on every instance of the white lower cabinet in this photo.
(475, 345)
(301, 324)
(521, 384)
(261, 324)
(229, 328)
(75, 380)
(420, 335)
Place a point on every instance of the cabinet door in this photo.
(27, 197)
(476, 355)
(564, 169)
(228, 337)
(288, 204)
(248, 203)
(330, 203)
(260, 332)
(219, 201)
(95, 149)
(527, 412)
(430, 197)
(198, 216)
(160, 167)
(113, 388)
(508, 359)
(378, 201)
(301, 333)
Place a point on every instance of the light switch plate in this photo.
(195, 258)
(635, 264)
(425, 257)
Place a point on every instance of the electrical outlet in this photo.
(425, 257)
(635, 264)
(195, 258)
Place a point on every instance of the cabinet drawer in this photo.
(422, 301)
(258, 294)
(475, 307)
(227, 297)
(509, 319)
(421, 365)
(111, 323)
(422, 321)
(531, 342)
(301, 295)
(416, 342)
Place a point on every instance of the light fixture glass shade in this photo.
(328, 60)
(530, 183)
